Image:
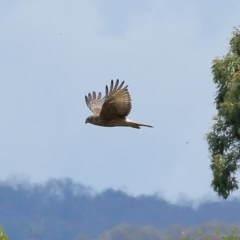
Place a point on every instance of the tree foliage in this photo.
(233, 234)
(61, 209)
(3, 236)
(224, 138)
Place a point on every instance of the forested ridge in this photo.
(62, 209)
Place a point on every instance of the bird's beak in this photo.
(86, 121)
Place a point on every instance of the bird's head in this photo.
(89, 119)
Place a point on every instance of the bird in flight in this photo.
(112, 109)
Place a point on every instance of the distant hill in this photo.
(62, 209)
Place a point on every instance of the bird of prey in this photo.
(112, 109)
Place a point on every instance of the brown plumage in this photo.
(112, 109)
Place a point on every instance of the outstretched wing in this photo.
(94, 102)
(117, 101)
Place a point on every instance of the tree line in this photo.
(62, 209)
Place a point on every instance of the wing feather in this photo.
(116, 86)
(94, 96)
(94, 102)
(117, 101)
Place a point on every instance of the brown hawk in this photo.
(112, 109)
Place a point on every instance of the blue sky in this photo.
(53, 52)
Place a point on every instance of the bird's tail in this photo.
(137, 125)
